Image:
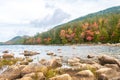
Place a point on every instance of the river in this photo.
(65, 51)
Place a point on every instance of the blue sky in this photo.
(27, 17)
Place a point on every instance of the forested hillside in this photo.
(103, 26)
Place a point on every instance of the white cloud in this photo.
(51, 20)
(15, 15)
(7, 33)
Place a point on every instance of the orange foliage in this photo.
(38, 40)
(47, 40)
(62, 33)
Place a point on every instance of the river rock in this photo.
(62, 77)
(113, 66)
(37, 76)
(3, 79)
(102, 77)
(85, 75)
(104, 59)
(88, 66)
(29, 59)
(71, 70)
(73, 61)
(11, 73)
(31, 68)
(104, 71)
(30, 53)
(28, 69)
(6, 55)
(90, 56)
(50, 53)
(58, 49)
(43, 62)
(108, 72)
(56, 62)
(24, 63)
(6, 51)
(25, 78)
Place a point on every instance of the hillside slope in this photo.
(16, 40)
(103, 26)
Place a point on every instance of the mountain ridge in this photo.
(110, 20)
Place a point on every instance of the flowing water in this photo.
(66, 51)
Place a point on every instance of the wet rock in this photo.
(90, 56)
(54, 55)
(73, 61)
(43, 62)
(50, 53)
(85, 75)
(88, 66)
(71, 71)
(29, 59)
(6, 51)
(37, 76)
(3, 79)
(113, 66)
(62, 77)
(30, 53)
(96, 66)
(24, 63)
(58, 49)
(11, 73)
(33, 68)
(88, 61)
(6, 55)
(56, 62)
(109, 72)
(25, 78)
(104, 71)
(104, 59)
(102, 77)
(27, 69)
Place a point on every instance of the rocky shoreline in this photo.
(94, 67)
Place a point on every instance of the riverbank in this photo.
(94, 67)
(82, 44)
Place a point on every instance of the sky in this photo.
(28, 17)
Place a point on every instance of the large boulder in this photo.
(71, 71)
(32, 68)
(25, 78)
(3, 79)
(6, 55)
(102, 77)
(105, 71)
(73, 61)
(62, 77)
(37, 76)
(11, 73)
(104, 59)
(85, 75)
(43, 62)
(108, 72)
(56, 62)
(113, 66)
(28, 69)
